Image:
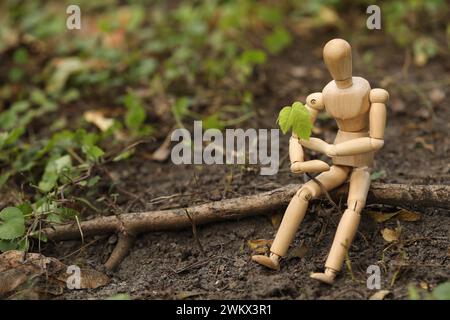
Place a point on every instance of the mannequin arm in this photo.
(356, 146)
(315, 144)
(314, 104)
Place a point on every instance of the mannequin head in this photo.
(337, 55)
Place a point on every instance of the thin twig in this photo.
(79, 249)
(194, 231)
(79, 228)
(325, 192)
(194, 265)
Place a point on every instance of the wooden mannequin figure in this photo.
(360, 113)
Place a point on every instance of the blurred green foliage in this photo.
(148, 65)
(440, 292)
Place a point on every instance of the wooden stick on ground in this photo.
(266, 202)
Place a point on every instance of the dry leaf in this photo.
(402, 214)
(379, 295)
(423, 285)
(390, 235)
(162, 153)
(260, 245)
(328, 16)
(299, 252)
(398, 106)
(380, 216)
(38, 276)
(406, 215)
(421, 141)
(276, 219)
(299, 72)
(97, 118)
(90, 278)
(420, 58)
(437, 95)
(63, 68)
(115, 39)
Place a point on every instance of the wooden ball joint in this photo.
(360, 114)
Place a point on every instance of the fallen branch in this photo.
(123, 246)
(173, 219)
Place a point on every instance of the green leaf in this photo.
(3, 138)
(63, 69)
(93, 152)
(54, 218)
(378, 175)
(14, 135)
(39, 235)
(284, 119)
(26, 208)
(253, 57)
(8, 119)
(67, 213)
(270, 14)
(4, 178)
(124, 155)
(147, 67)
(23, 244)
(278, 40)
(135, 115)
(12, 223)
(301, 124)
(6, 245)
(53, 169)
(181, 108)
(63, 163)
(93, 181)
(213, 122)
(295, 117)
(15, 74)
(442, 291)
(120, 296)
(20, 56)
(413, 293)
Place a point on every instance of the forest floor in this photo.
(170, 265)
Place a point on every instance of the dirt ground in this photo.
(171, 265)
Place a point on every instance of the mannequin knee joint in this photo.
(305, 193)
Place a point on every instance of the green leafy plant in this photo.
(278, 40)
(12, 227)
(295, 117)
(12, 223)
(135, 116)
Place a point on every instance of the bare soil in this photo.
(171, 265)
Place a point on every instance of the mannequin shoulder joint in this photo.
(378, 96)
(315, 101)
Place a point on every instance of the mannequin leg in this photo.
(359, 187)
(295, 213)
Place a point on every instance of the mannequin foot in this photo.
(271, 262)
(326, 277)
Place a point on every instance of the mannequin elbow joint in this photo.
(377, 144)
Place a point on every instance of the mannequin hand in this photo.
(331, 150)
(296, 167)
(311, 166)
